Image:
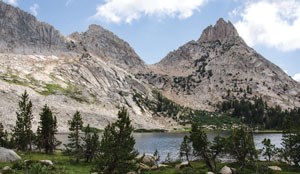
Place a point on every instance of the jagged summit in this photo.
(221, 66)
(108, 46)
(220, 31)
(22, 33)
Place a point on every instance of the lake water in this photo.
(170, 142)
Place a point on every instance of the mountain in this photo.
(109, 47)
(91, 72)
(219, 66)
(22, 33)
(96, 73)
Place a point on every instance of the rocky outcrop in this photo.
(108, 46)
(220, 32)
(21, 33)
(7, 155)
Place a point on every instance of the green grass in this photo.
(52, 89)
(199, 167)
(59, 160)
(67, 166)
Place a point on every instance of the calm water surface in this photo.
(170, 142)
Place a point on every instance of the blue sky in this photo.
(155, 27)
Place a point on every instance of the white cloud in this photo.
(297, 77)
(272, 23)
(12, 2)
(118, 11)
(34, 9)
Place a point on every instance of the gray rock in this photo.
(147, 159)
(225, 170)
(6, 168)
(47, 162)
(182, 165)
(8, 155)
(22, 33)
(275, 168)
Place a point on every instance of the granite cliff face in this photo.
(109, 47)
(22, 33)
(220, 66)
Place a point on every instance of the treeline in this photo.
(257, 113)
(162, 106)
(115, 152)
(240, 146)
(22, 136)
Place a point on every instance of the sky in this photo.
(156, 27)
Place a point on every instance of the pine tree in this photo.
(4, 142)
(47, 130)
(91, 143)
(201, 146)
(291, 140)
(117, 152)
(22, 132)
(185, 148)
(74, 146)
(241, 146)
(269, 149)
(157, 157)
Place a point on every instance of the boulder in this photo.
(8, 155)
(163, 166)
(225, 170)
(275, 168)
(6, 170)
(132, 173)
(147, 159)
(46, 162)
(210, 173)
(144, 167)
(182, 165)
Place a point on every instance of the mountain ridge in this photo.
(96, 73)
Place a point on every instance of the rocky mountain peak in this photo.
(22, 33)
(222, 30)
(108, 46)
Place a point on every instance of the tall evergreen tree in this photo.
(117, 152)
(185, 148)
(22, 132)
(74, 146)
(91, 143)
(3, 137)
(47, 130)
(291, 140)
(269, 149)
(241, 146)
(204, 149)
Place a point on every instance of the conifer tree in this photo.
(241, 146)
(74, 146)
(269, 149)
(91, 143)
(3, 137)
(117, 152)
(185, 148)
(157, 157)
(22, 132)
(47, 130)
(291, 140)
